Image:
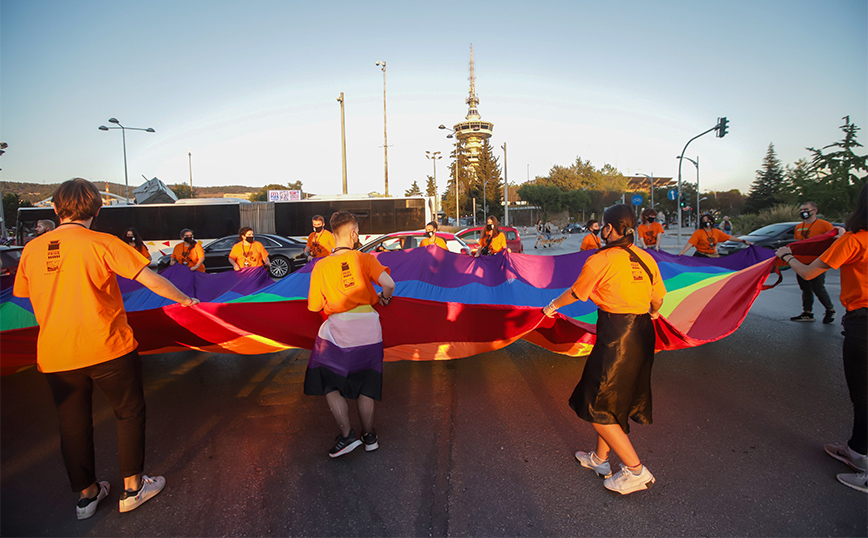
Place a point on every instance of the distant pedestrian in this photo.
(706, 239)
(591, 241)
(44, 225)
(625, 284)
(248, 252)
(849, 253)
(320, 242)
(650, 230)
(549, 230)
(189, 252)
(134, 239)
(347, 357)
(809, 227)
(431, 236)
(539, 233)
(726, 226)
(84, 339)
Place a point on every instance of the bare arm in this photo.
(385, 281)
(162, 287)
(808, 272)
(655, 308)
(564, 299)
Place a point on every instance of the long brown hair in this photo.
(496, 230)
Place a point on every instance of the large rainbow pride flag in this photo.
(446, 306)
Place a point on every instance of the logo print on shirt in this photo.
(349, 280)
(638, 272)
(53, 262)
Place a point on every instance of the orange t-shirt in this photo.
(436, 241)
(321, 246)
(850, 253)
(143, 251)
(69, 276)
(649, 233)
(806, 231)
(616, 284)
(252, 253)
(343, 281)
(706, 241)
(591, 242)
(189, 255)
(496, 243)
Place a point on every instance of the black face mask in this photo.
(805, 215)
(189, 240)
(596, 232)
(249, 239)
(318, 229)
(489, 226)
(131, 240)
(430, 234)
(605, 237)
(707, 224)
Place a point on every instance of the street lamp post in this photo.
(720, 127)
(124, 136)
(385, 137)
(190, 158)
(344, 144)
(434, 156)
(696, 164)
(451, 135)
(505, 190)
(651, 179)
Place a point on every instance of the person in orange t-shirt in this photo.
(812, 226)
(706, 238)
(625, 284)
(492, 239)
(84, 339)
(248, 252)
(650, 230)
(189, 253)
(591, 241)
(432, 239)
(134, 239)
(849, 253)
(347, 356)
(320, 242)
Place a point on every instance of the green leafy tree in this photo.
(262, 194)
(430, 187)
(839, 173)
(768, 185)
(798, 182)
(488, 183)
(459, 174)
(575, 201)
(413, 190)
(183, 190)
(546, 197)
(11, 203)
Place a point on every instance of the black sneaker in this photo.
(344, 445)
(370, 440)
(829, 317)
(804, 316)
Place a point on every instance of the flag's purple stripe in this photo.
(346, 361)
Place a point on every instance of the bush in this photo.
(745, 224)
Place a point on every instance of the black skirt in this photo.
(616, 381)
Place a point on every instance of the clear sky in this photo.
(250, 88)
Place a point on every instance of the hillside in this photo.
(34, 192)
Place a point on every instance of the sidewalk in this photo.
(573, 242)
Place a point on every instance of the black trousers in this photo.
(120, 381)
(816, 286)
(856, 372)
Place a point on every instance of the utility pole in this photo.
(722, 129)
(385, 136)
(190, 159)
(344, 145)
(505, 190)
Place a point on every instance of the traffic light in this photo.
(722, 127)
(684, 201)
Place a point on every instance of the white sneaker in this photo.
(89, 508)
(625, 482)
(603, 470)
(856, 481)
(843, 453)
(130, 500)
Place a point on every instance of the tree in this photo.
(839, 174)
(413, 190)
(546, 197)
(262, 194)
(798, 180)
(430, 187)
(461, 169)
(576, 200)
(11, 203)
(488, 184)
(766, 188)
(183, 190)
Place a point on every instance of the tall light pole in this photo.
(651, 179)
(696, 164)
(190, 158)
(505, 190)
(344, 144)
(434, 156)
(124, 136)
(385, 137)
(451, 135)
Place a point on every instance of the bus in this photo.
(160, 225)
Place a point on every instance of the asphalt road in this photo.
(481, 446)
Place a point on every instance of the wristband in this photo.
(790, 254)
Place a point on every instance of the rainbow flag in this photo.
(446, 306)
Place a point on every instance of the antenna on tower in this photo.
(472, 100)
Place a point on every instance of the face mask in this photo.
(430, 234)
(189, 240)
(131, 239)
(806, 215)
(596, 232)
(605, 237)
(317, 229)
(249, 239)
(707, 223)
(489, 226)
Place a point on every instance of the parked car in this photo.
(9, 257)
(513, 238)
(286, 255)
(772, 236)
(406, 240)
(574, 228)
